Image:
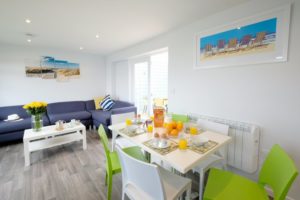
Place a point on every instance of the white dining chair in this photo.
(219, 159)
(121, 141)
(145, 181)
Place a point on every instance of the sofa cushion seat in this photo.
(79, 115)
(12, 126)
(21, 125)
(103, 117)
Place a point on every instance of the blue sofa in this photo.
(103, 117)
(14, 130)
(69, 110)
(82, 110)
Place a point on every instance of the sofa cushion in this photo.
(121, 104)
(90, 105)
(124, 110)
(80, 115)
(9, 110)
(20, 125)
(65, 107)
(97, 101)
(103, 117)
(107, 103)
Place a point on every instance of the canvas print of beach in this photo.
(50, 68)
(250, 39)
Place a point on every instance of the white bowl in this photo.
(132, 128)
(199, 140)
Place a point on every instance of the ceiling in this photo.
(71, 24)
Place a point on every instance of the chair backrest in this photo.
(140, 177)
(278, 171)
(104, 141)
(213, 126)
(218, 128)
(180, 117)
(119, 118)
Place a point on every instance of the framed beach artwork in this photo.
(50, 68)
(257, 39)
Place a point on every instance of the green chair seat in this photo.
(136, 153)
(224, 185)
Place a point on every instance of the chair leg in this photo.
(109, 188)
(188, 193)
(123, 195)
(201, 182)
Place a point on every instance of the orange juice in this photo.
(182, 144)
(150, 128)
(193, 130)
(158, 116)
(128, 122)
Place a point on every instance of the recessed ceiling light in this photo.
(80, 48)
(28, 21)
(97, 36)
(29, 40)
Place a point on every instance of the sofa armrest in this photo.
(124, 110)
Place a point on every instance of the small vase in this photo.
(37, 122)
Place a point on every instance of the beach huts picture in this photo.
(251, 39)
(51, 68)
(262, 38)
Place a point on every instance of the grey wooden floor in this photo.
(64, 172)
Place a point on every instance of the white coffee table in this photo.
(49, 137)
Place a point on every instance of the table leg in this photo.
(26, 152)
(113, 139)
(84, 139)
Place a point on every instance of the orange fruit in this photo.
(179, 126)
(174, 132)
(173, 124)
(169, 127)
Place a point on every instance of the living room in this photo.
(145, 56)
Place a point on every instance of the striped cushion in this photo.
(107, 103)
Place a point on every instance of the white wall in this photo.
(265, 94)
(16, 88)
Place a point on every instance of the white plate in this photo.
(160, 144)
(199, 140)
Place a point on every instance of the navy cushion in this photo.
(107, 103)
(90, 105)
(80, 115)
(124, 110)
(6, 127)
(121, 104)
(103, 117)
(8, 110)
(65, 107)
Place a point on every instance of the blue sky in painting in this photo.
(268, 25)
(51, 62)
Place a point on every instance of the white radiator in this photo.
(244, 149)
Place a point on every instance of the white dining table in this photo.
(180, 160)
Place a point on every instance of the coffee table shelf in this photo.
(49, 137)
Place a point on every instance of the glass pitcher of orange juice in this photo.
(159, 113)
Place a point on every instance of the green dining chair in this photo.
(278, 172)
(180, 117)
(113, 165)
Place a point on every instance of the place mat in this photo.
(203, 148)
(173, 146)
(132, 133)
